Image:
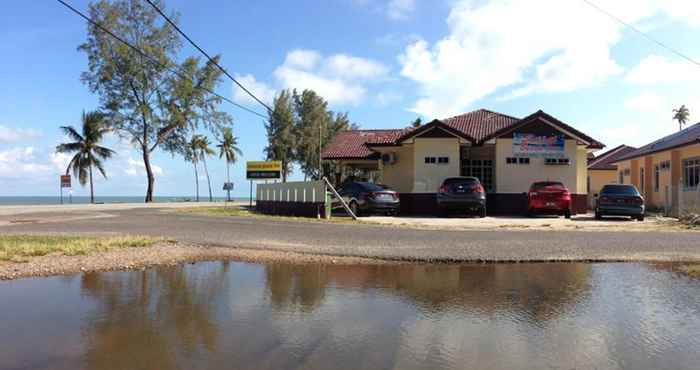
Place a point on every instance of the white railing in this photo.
(298, 192)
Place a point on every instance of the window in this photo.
(556, 161)
(657, 169)
(588, 184)
(621, 180)
(443, 160)
(429, 160)
(482, 169)
(517, 160)
(641, 179)
(691, 173)
(665, 165)
(627, 171)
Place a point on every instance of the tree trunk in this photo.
(196, 181)
(206, 171)
(149, 174)
(228, 180)
(92, 188)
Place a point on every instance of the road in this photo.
(360, 240)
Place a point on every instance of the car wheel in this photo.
(598, 216)
(640, 218)
(567, 214)
(530, 213)
(482, 212)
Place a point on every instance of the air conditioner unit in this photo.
(389, 158)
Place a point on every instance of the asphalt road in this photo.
(361, 240)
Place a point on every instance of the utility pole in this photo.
(320, 144)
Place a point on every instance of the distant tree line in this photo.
(298, 127)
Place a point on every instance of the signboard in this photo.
(65, 181)
(261, 170)
(530, 145)
(228, 186)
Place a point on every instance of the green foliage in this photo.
(144, 101)
(280, 132)
(313, 120)
(416, 123)
(228, 146)
(20, 248)
(681, 115)
(87, 149)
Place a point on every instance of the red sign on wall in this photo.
(65, 181)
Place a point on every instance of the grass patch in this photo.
(692, 270)
(20, 248)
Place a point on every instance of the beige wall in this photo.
(600, 178)
(429, 177)
(513, 178)
(399, 176)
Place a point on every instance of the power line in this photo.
(152, 59)
(207, 55)
(635, 29)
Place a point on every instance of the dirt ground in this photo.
(577, 223)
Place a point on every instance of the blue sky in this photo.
(385, 62)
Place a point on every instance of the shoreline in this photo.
(173, 253)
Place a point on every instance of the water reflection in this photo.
(224, 315)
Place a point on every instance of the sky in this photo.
(385, 62)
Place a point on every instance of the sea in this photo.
(44, 200)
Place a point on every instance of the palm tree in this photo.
(191, 156)
(88, 152)
(228, 146)
(681, 115)
(202, 151)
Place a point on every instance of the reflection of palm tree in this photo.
(296, 285)
(137, 313)
(87, 149)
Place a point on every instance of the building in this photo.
(603, 170)
(666, 171)
(506, 153)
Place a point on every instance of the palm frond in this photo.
(72, 133)
(103, 152)
(100, 167)
(69, 147)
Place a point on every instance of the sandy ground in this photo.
(73, 208)
(577, 223)
(158, 255)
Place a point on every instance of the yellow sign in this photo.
(263, 170)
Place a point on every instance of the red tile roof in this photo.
(352, 144)
(478, 126)
(605, 161)
(480, 123)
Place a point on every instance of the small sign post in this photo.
(65, 183)
(228, 186)
(262, 170)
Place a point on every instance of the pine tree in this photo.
(281, 139)
(312, 125)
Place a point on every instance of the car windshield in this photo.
(550, 185)
(460, 180)
(371, 186)
(619, 190)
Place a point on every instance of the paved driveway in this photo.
(362, 240)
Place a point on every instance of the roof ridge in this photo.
(480, 110)
(601, 158)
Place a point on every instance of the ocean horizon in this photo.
(47, 199)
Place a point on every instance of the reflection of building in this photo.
(527, 288)
(507, 154)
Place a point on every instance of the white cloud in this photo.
(522, 47)
(386, 98)
(339, 78)
(21, 162)
(60, 161)
(137, 168)
(645, 101)
(12, 135)
(400, 9)
(656, 69)
(259, 89)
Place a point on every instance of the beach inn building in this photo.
(666, 171)
(506, 153)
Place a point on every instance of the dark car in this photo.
(549, 197)
(366, 198)
(619, 200)
(462, 194)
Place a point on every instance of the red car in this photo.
(549, 197)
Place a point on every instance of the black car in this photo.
(462, 194)
(619, 200)
(366, 198)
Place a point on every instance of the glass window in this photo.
(621, 180)
(691, 173)
(524, 160)
(656, 177)
(511, 160)
(444, 160)
(429, 160)
(641, 179)
(556, 161)
(619, 190)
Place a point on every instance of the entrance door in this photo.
(478, 162)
